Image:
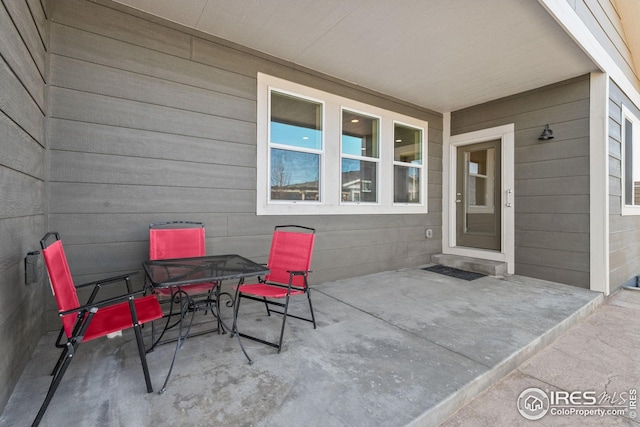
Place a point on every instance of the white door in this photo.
(478, 208)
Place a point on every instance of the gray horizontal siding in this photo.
(148, 123)
(72, 198)
(624, 231)
(17, 54)
(77, 167)
(551, 177)
(89, 77)
(22, 185)
(69, 135)
(603, 21)
(133, 114)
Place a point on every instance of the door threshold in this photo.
(476, 265)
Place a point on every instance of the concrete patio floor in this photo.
(406, 347)
(600, 354)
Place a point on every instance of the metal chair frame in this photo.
(76, 330)
(267, 291)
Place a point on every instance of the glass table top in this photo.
(182, 271)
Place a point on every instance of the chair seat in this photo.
(267, 291)
(196, 288)
(118, 317)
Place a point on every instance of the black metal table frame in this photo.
(189, 304)
(187, 279)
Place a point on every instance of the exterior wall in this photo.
(551, 177)
(603, 21)
(22, 181)
(624, 231)
(152, 122)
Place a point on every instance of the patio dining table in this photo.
(177, 272)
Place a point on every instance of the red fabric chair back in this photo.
(61, 283)
(165, 243)
(290, 251)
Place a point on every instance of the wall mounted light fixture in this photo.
(546, 134)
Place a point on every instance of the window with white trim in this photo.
(407, 163)
(320, 153)
(295, 148)
(359, 157)
(630, 162)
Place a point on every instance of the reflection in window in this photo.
(360, 146)
(358, 181)
(294, 175)
(408, 144)
(481, 179)
(296, 148)
(360, 134)
(295, 122)
(406, 184)
(407, 155)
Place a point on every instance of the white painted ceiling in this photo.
(439, 54)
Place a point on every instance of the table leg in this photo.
(184, 308)
(234, 328)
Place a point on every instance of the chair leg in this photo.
(63, 354)
(61, 359)
(143, 357)
(284, 320)
(313, 317)
(55, 382)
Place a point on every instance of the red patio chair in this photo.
(289, 262)
(178, 239)
(94, 319)
(182, 239)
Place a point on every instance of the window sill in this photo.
(346, 209)
(630, 210)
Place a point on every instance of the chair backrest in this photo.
(176, 239)
(61, 281)
(290, 251)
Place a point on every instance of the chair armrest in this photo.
(100, 304)
(299, 272)
(108, 280)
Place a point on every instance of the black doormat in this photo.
(454, 272)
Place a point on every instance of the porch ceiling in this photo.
(442, 55)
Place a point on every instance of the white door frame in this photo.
(506, 134)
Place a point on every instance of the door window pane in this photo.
(480, 168)
(294, 175)
(406, 184)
